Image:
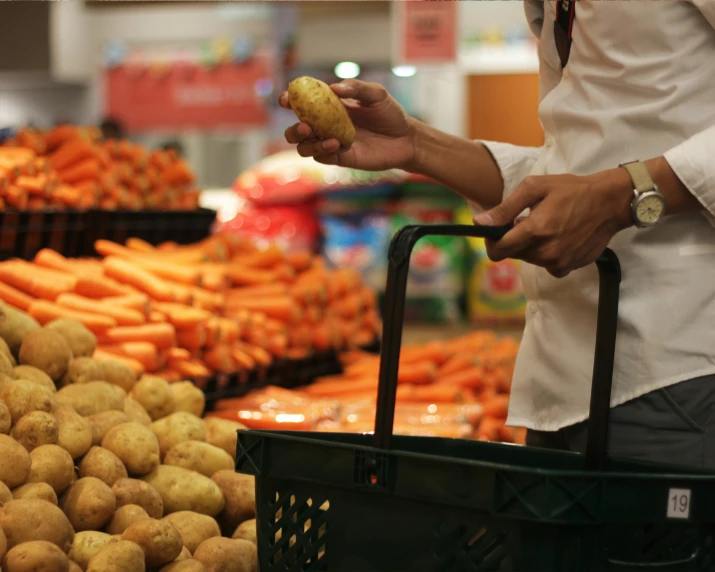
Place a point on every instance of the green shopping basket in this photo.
(384, 503)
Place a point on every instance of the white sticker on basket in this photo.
(678, 503)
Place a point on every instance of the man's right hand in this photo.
(385, 134)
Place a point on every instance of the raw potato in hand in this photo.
(46, 350)
(159, 540)
(133, 491)
(177, 428)
(317, 105)
(31, 373)
(14, 462)
(227, 555)
(101, 423)
(124, 517)
(33, 519)
(35, 429)
(14, 326)
(22, 397)
(92, 397)
(102, 464)
(135, 445)
(75, 435)
(188, 397)
(82, 370)
(122, 556)
(181, 489)
(82, 342)
(240, 494)
(223, 433)
(41, 491)
(53, 465)
(200, 457)
(36, 556)
(155, 395)
(193, 527)
(88, 503)
(86, 544)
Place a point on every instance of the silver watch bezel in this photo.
(638, 198)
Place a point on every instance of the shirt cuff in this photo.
(514, 162)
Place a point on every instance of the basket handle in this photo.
(399, 254)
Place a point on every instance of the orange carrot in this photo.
(191, 369)
(70, 153)
(128, 273)
(157, 317)
(14, 297)
(135, 300)
(192, 338)
(29, 279)
(99, 287)
(277, 345)
(178, 354)
(436, 393)
(242, 359)
(471, 377)
(335, 388)
(85, 170)
(300, 260)
(144, 352)
(497, 407)
(489, 429)
(241, 275)
(220, 359)
(277, 307)
(51, 259)
(37, 185)
(59, 135)
(136, 366)
(123, 316)
(163, 336)
(258, 354)
(139, 245)
(181, 316)
(44, 311)
(457, 362)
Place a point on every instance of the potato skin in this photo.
(102, 464)
(155, 395)
(81, 340)
(177, 428)
(246, 531)
(5, 349)
(14, 326)
(136, 412)
(88, 503)
(124, 517)
(133, 491)
(181, 489)
(227, 555)
(190, 565)
(119, 374)
(31, 373)
(75, 432)
(46, 350)
(200, 457)
(14, 462)
(160, 541)
(34, 519)
(82, 370)
(22, 397)
(86, 544)
(193, 527)
(5, 419)
(240, 494)
(36, 556)
(53, 465)
(5, 493)
(41, 491)
(103, 422)
(92, 397)
(317, 105)
(135, 445)
(223, 433)
(188, 397)
(35, 429)
(122, 556)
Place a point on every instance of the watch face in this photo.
(649, 209)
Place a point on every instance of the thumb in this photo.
(523, 197)
(365, 92)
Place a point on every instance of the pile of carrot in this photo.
(223, 305)
(451, 388)
(70, 167)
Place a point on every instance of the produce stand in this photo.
(362, 503)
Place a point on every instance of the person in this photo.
(619, 82)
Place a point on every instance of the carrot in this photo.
(436, 393)
(242, 359)
(178, 354)
(335, 388)
(489, 429)
(85, 170)
(44, 311)
(123, 316)
(169, 375)
(29, 279)
(100, 287)
(472, 378)
(181, 316)
(156, 317)
(191, 369)
(162, 336)
(191, 339)
(52, 259)
(241, 275)
(258, 354)
(264, 259)
(66, 195)
(128, 273)
(300, 260)
(37, 185)
(275, 289)
(456, 363)
(135, 365)
(70, 153)
(497, 407)
(277, 345)
(14, 297)
(220, 359)
(139, 245)
(16, 197)
(144, 352)
(59, 135)
(277, 307)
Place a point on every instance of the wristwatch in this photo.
(648, 204)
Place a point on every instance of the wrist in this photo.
(616, 188)
(419, 139)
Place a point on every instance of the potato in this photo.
(14, 326)
(227, 555)
(122, 556)
(133, 491)
(240, 494)
(14, 462)
(317, 105)
(6, 365)
(184, 566)
(5, 419)
(34, 519)
(74, 567)
(88, 503)
(86, 544)
(181, 489)
(188, 397)
(6, 494)
(193, 527)
(53, 465)
(35, 375)
(136, 412)
(36, 556)
(246, 531)
(35, 429)
(177, 428)
(223, 433)
(22, 397)
(102, 464)
(3, 545)
(124, 517)
(92, 397)
(80, 339)
(118, 373)
(82, 370)
(103, 422)
(200, 457)
(185, 555)
(75, 435)
(135, 445)
(160, 541)
(46, 350)
(155, 395)
(41, 491)
(5, 350)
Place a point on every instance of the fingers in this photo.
(512, 245)
(365, 92)
(315, 147)
(283, 101)
(526, 195)
(298, 133)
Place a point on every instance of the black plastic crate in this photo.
(24, 233)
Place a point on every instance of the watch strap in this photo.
(640, 176)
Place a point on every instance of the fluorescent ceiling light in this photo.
(404, 71)
(347, 70)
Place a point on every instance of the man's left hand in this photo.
(571, 220)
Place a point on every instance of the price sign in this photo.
(678, 504)
(425, 31)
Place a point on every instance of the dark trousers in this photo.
(675, 425)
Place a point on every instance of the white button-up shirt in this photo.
(639, 83)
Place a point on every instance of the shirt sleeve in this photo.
(692, 162)
(707, 9)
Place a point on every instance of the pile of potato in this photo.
(102, 472)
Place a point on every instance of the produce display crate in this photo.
(73, 233)
(367, 503)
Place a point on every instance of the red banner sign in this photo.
(188, 95)
(427, 31)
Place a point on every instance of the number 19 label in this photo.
(678, 503)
